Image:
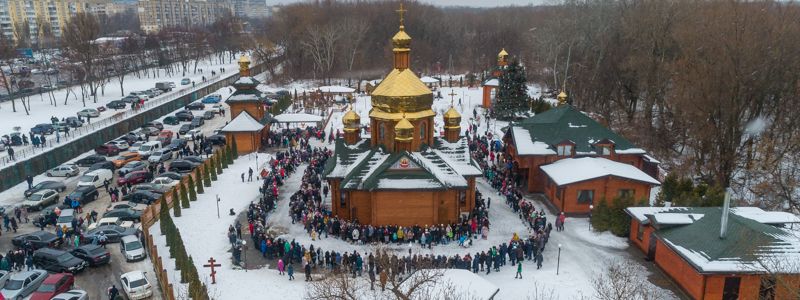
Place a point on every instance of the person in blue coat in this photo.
(290, 271)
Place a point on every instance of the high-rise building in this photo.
(157, 14)
(35, 19)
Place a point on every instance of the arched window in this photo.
(422, 130)
(381, 132)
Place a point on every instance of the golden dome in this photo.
(351, 121)
(562, 98)
(404, 130)
(402, 91)
(401, 39)
(244, 59)
(502, 53)
(452, 119)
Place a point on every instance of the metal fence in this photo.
(30, 160)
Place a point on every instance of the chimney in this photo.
(726, 206)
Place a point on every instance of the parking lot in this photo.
(97, 279)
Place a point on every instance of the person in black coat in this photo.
(308, 272)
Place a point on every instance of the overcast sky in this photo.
(471, 3)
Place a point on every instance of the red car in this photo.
(53, 285)
(135, 177)
(107, 150)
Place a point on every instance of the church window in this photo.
(564, 150)
(625, 193)
(605, 150)
(342, 199)
(381, 132)
(422, 129)
(586, 196)
(462, 198)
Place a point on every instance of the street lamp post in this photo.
(591, 207)
(244, 249)
(558, 263)
(217, 206)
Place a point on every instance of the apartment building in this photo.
(36, 19)
(157, 14)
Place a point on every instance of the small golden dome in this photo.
(452, 119)
(351, 121)
(404, 130)
(244, 59)
(562, 98)
(502, 53)
(401, 39)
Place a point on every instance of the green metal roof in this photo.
(567, 123)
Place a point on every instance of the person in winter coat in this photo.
(290, 271)
(280, 267)
(308, 272)
(371, 273)
(560, 221)
(29, 262)
(383, 278)
(539, 260)
(113, 292)
(519, 271)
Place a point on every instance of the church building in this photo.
(250, 120)
(402, 174)
(491, 84)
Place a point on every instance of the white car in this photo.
(194, 132)
(4, 275)
(132, 248)
(40, 199)
(89, 112)
(63, 171)
(135, 285)
(122, 145)
(141, 95)
(111, 221)
(166, 181)
(217, 108)
(72, 295)
(135, 147)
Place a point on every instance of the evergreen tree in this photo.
(512, 94)
(206, 175)
(229, 154)
(212, 167)
(163, 214)
(199, 185)
(191, 185)
(224, 158)
(234, 149)
(218, 162)
(184, 196)
(176, 207)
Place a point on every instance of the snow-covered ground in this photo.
(42, 109)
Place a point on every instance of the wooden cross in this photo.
(211, 264)
(401, 11)
(452, 94)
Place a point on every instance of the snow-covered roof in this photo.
(766, 217)
(336, 89)
(243, 97)
(427, 79)
(457, 155)
(749, 212)
(454, 281)
(243, 122)
(492, 82)
(526, 146)
(571, 170)
(245, 80)
(297, 118)
(440, 170)
(676, 218)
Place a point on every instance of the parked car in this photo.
(194, 132)
(40, 199)
(111, 221)
(84, 194)
(164, 86)
(96, 178)
(46, 185)
(107, 150)
(89, 112)
(125, 158)
(63, 171)
(135, 285)
(155, 124)
(218, 108)
(197, 105)
(170, 120)
(184, 115)
(131, 99)
(37, 239)
(135, 177)
(94, 255)
(4, 276)
(141, 94)
(197, 122)
(54, 260)
(65, 218)
(217, 139)
(151, 187)
(73, 122)
(61, 127)
(143, 197)
(113, 233)
(116, 104)
(90, 160)
(23, 284)
(135, 147)
(121, 144)
(53, 285)
(160, 155)
(208, 115)
(185, 81)
(172, 175)
(197, 160)
(44, 128)
(177, 144)
(106, 165)
(72, 295)
(166, 181)
(182, 166)
(101, 108)
(126, 204)
(150, 131)
(132, 248)
(213, 98)
(185, 128)
(136, 165)
(148, 148)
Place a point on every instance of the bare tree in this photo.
(622, 281)
(321, 44)
(353, 32)
(79, 37)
